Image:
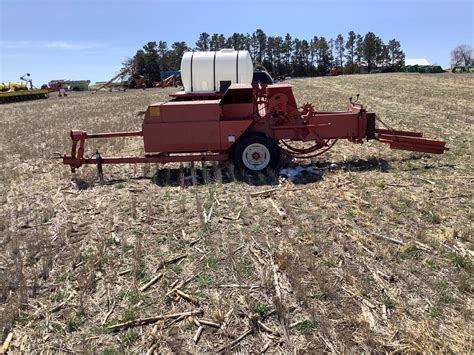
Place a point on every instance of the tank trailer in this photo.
(251, 126)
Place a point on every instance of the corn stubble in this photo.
(376, 256)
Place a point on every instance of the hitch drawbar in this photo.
(411, 141)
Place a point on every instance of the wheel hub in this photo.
(256, 156)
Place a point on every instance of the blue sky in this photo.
(89, 39)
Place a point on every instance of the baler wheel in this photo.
(256, 153)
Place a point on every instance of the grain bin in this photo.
(208, 72)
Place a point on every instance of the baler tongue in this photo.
(411, 141)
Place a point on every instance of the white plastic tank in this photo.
(209, 72)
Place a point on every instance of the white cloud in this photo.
(66, 45)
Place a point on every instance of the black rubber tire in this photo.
(249, 139)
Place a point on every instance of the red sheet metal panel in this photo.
(230, 131)
(184, 111)
(340, 125)
(233, 111)
(182, 96)
(181, 136)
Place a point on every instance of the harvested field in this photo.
(374, 254)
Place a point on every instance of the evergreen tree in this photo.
(339, 45)
(324, 56)
(164, 55)
(271, 51)
(384, 59)
(359, 51)
(151, 70)
(236, 41)
(305, 56)
(351, 48)
(331, 53)
(370, 49)
(287, 49)
(254, 47)
(395, 55)
(203, 43)
(278, 66)
(218, 42)
(261, 42)
(313, 53)
(246, 40)
(296, 58)
(315, 49)
(178, 49)
(379, 52)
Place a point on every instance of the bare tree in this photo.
(462, 55)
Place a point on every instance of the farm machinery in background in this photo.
(335, 72)
(168, 79)
(461, 69)
(423, 69)
(14, 92)
(52, 87)
(138, 79)
(221, 116)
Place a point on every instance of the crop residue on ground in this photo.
(375, 254)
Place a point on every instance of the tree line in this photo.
(281, 56)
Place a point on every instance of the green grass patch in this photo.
(87, 254)
(308, 326)
(464, 283)
(436, 313)
(324, 293)
(245, 266)
(447, 299)
(127, 247)
(177, 269)
(262, 309)
(57, 297)
(130, 337)
(111, 351)
(129, 313)
(330, 262)
(461, 262)
(110, 241)
(211, 263)
(442, 285)
(208, 204)
(204, 280)
(388, 302)
(75, 321)
(24, 318)
(432, 264)
(412, 252)
(133, 297)
(256, 228)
